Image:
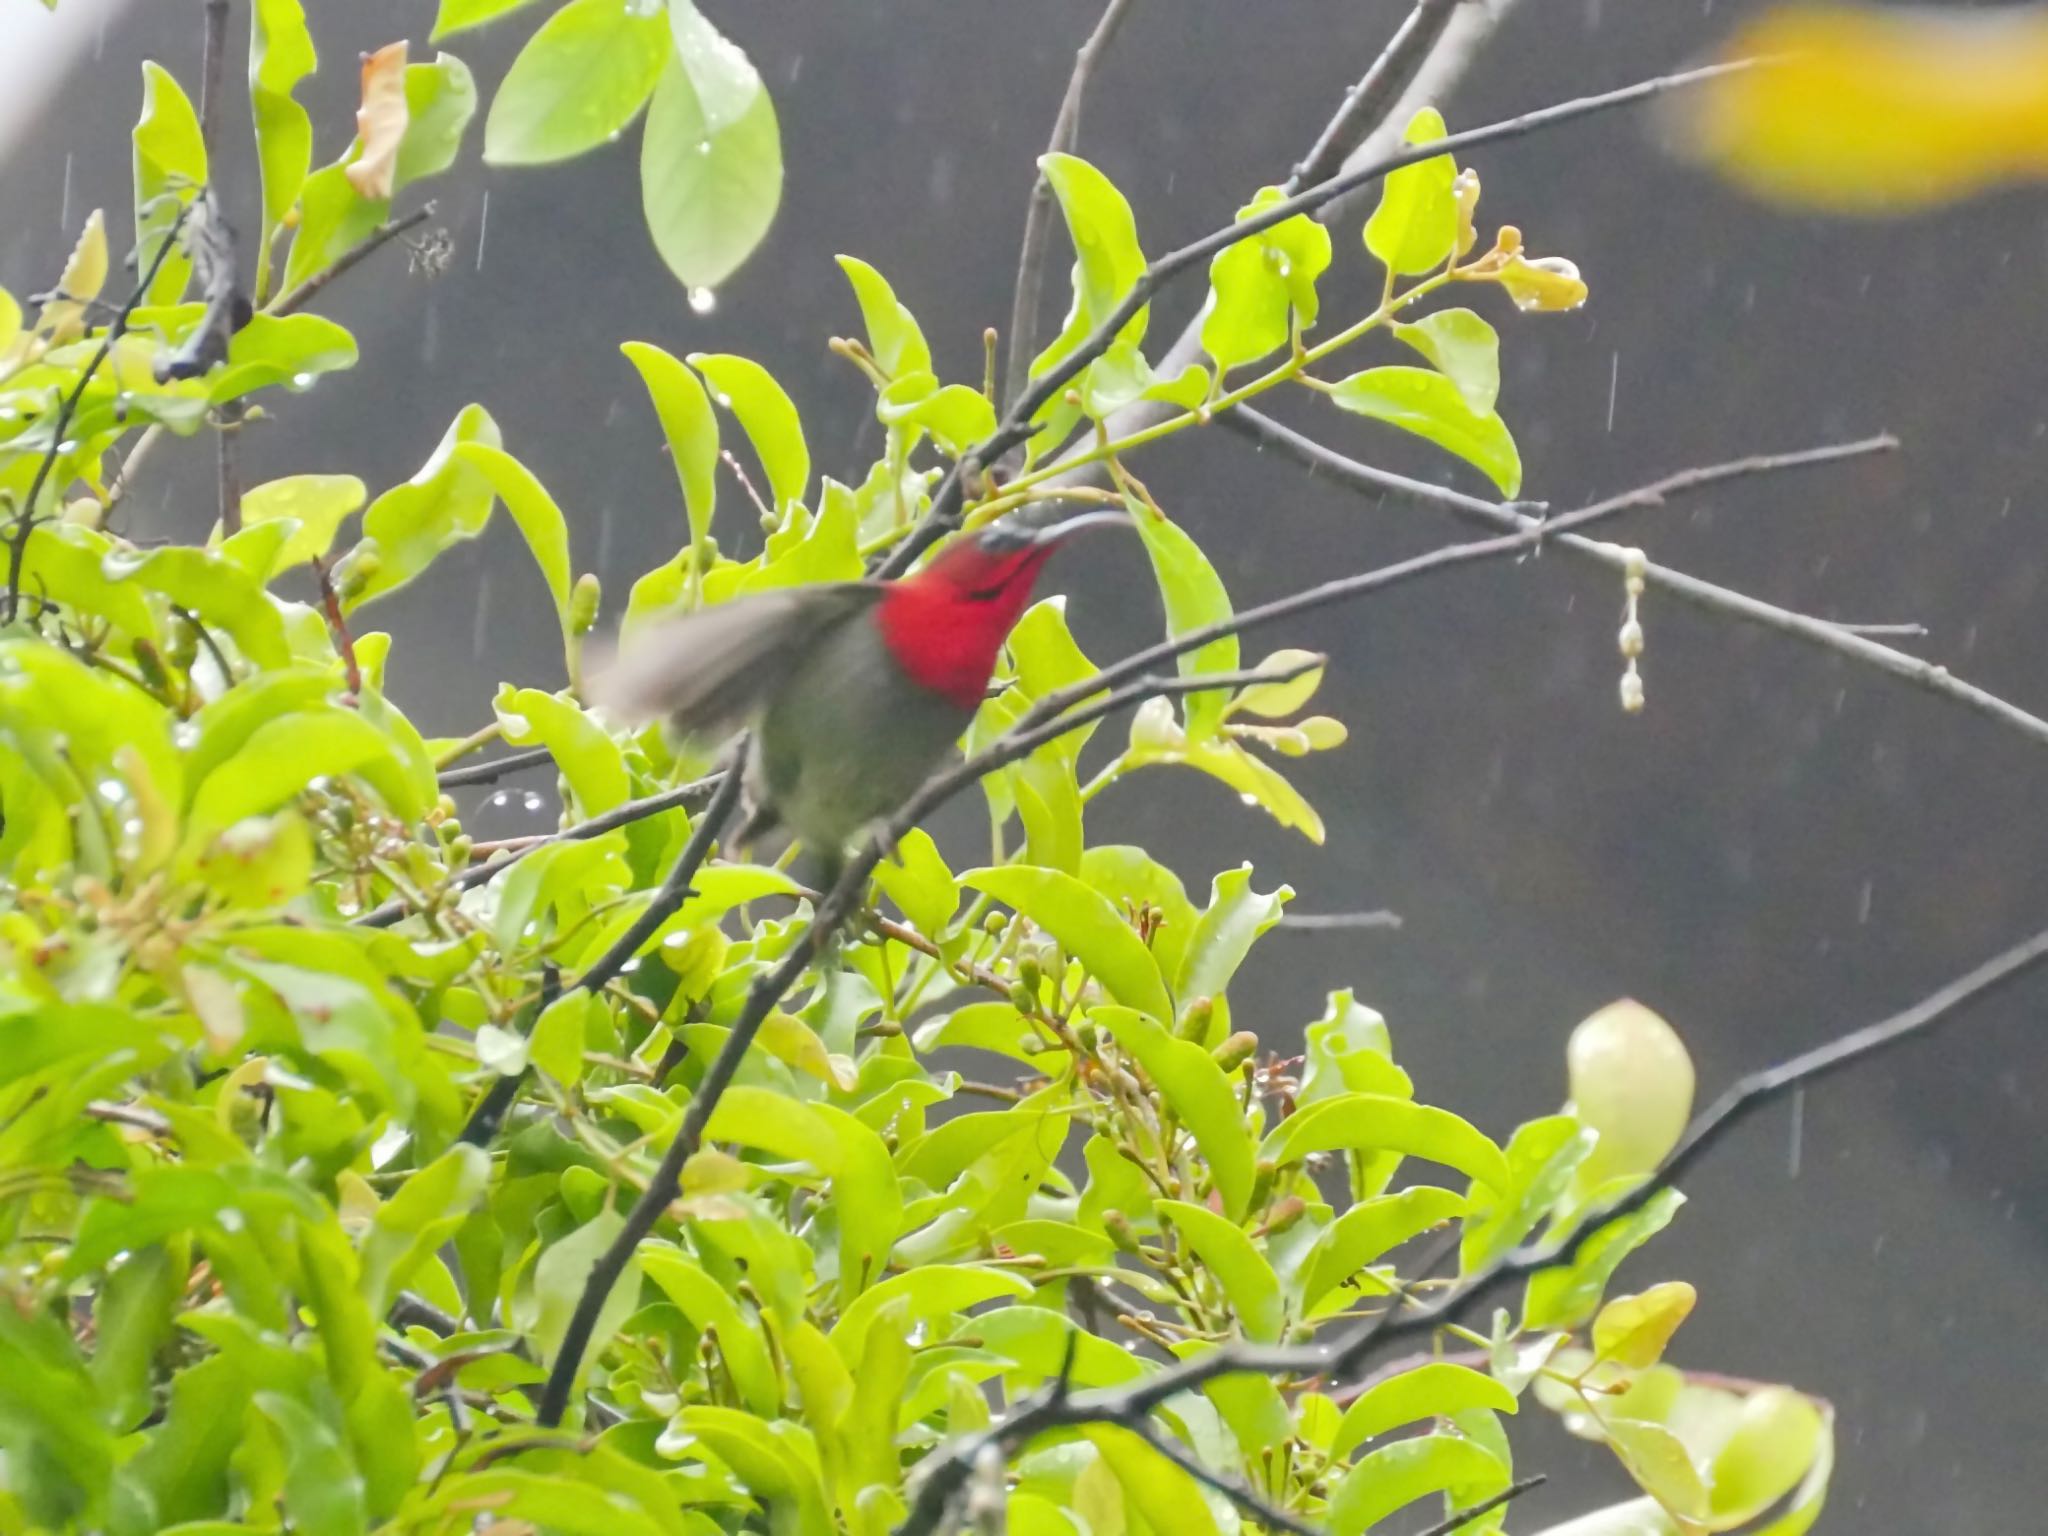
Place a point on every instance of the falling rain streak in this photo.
(483, 223)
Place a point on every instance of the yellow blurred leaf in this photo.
(380, 122)
(1633, 1331)
(86, 272)
(1866, 110)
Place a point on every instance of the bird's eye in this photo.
(985, 594)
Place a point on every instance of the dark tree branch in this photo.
(1366, 104)
(490, 773)
(1015, 426)
(1056, 714)
(1066, 130)
(330, 600)
(25, 516)
(1851, 640)
(212, 63)
(949, 1466)
(299, 297)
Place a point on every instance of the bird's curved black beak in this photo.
(1078, 522)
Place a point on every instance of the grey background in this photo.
(1782, 846)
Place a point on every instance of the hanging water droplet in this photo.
(531, 801)
(703, 300)
(302, 381)
(502, 797)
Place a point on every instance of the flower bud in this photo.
(583, 604)
(1236, 1050)
(1194, 1021)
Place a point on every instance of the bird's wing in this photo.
(709, 671)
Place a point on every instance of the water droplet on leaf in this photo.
(703, 300)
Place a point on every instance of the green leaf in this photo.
(1107, 260)
(931, 1293)
(1463, 348)
(560, 1034)
(1776, 1440)
(726, 81)
(323, 1491)
(1431, 406)
(1565, 1295)
(709, 191)
(281, 757)
(1633, 1331)
(1168, 1498)
(460, 15)
(1129, 876)
(1369, 1121)
(865, 1195)
(560, 1276)
(447, 502)
(1369, 1229)
(280, 56)
(131, 1322)
(917, 880)
(1224, 934)
(1659, 1462)
(420, 1216)
(767, 415)
(1812, 1493)
(1542, 1157)
(440, 99)
(317, 503)
(711, 1310)
(333, 217)
(894, 338)
(1194, 597)
(1396, 1475)
(764, 1456)
(1416, 223)
(1436, 1390)
(690, 426)
(957, 416)
(60, 1457)
(218, 591)
(578, 82)
(66, 564)
(1234, 1260)
(1257, 283)
(1086, 926)
(1122, 377)
(170, 167)
(1197, 1091)
(534, 510)
(280, 349)
(1276, 700)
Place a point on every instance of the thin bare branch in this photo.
(1015, 426)
(1233, 1489)
(490, 773)
(1852, 641)
(298, 298)
(212, 63)
(1366, 104)
(1066, 131)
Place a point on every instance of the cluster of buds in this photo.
(1630, 641)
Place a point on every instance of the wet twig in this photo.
(1066, 130)
(298, 298)
(1852, 641)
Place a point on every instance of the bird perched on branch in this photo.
(854, 690)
